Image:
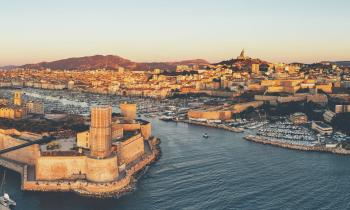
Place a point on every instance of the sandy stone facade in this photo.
(101, 167)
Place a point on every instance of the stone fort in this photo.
(101, 160)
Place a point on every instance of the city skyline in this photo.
(172, 31)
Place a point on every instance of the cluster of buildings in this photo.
(18, 109)
(225, 79)
(247, 81)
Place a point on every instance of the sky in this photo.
(171, 30)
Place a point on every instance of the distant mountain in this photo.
(342, 63)
(7, 67)
(110, 62)
(170, 65)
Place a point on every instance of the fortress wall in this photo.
(11, 165)
(130, 126)
(102, 170)
(327, 88)
(128, 111)
(287, 99)
(83, 186)
(80, 186)
(225, 115)
(59, 167)
(131, 149)
(318, 98)
(210, 115)
(243, 106)
(265, 98)
(146, 130)
(25, 155)
(10, 132)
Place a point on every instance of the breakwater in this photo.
(277, 143)
(224, 127)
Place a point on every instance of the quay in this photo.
(277, 143)
(224, 127)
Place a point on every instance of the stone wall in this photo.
(102, 170)
(25, 155)
(128, 111)
(60, 167)
(210, 115)
(146, 130)
(130, 149)
(83, 139)
(86, 187)
(130, 126)
(50, 168)
(237, 108)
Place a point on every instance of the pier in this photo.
(232, 129)
(278, 143)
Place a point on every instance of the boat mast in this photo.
(2, 186)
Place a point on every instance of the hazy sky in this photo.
(164, 30)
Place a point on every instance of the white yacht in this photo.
(5, 201)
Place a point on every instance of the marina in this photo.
(234, 160)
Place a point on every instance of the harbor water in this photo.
(221, 172)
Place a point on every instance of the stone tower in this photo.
(100, 132)
(17, 99)
(128, 111)
(242, 55)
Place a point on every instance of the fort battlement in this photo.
(85, 187)
(99, 168)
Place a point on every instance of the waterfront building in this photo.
(322, 127)
(328, 116)
(35, 107)
(210, 113)
(15, 110)
(342, 108)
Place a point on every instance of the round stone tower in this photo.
(100, 132)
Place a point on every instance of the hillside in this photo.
(109, 62)
(342, 63)
(241, 64)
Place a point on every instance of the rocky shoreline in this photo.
(277, 143)
(130, 180)
(156, 153)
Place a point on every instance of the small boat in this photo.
(205, 135)
(5, 201)
(166, 118)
